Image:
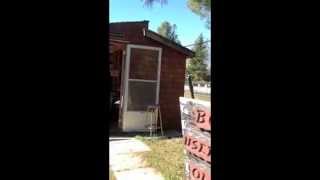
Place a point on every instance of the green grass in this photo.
(204, 97)
(166, 156)
(111, 175)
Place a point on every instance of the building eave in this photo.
(156, 37)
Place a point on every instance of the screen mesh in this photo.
(141, 95)
(143, 64)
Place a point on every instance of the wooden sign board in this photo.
(196, 131)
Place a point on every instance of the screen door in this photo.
(142, 85)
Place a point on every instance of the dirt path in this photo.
(125, 164)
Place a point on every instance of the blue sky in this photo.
(189, 25)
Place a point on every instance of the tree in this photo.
(149, 3)
(169, 31)
(196, 66)
(199, 7)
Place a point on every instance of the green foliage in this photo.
(169, 31)
(196, 66)
(201, 8)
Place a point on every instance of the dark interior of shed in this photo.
(115, 76)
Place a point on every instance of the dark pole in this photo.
(190, 86)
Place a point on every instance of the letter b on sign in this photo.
(201, 118)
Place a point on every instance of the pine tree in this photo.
(201, 8)
(196, 66)
(169, 31)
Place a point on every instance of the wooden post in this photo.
(191, 86)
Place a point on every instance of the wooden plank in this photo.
(197, 170)
(198, 145)
(115, 35)
(195, 114)
(201, 118)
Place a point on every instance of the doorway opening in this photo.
(116, 60)
(115, 76)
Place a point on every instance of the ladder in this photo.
(152, 116)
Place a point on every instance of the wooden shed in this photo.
(146, 69)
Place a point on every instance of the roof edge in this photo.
(163, 40)
(146, 22)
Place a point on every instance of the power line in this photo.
(197, 43)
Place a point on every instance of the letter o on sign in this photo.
(196, 173)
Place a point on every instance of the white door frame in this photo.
(127, 70)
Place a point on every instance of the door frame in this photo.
(122, 88)
(127, 70)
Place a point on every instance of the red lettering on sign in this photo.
(206, 151)
(201, 118)
(198, 148)
(197, 173)
(195, 144)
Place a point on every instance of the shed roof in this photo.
(165, 41)
(119, 37)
